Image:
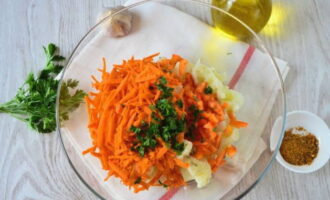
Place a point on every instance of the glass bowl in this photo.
(182, 27)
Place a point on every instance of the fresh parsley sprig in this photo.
(35, 101)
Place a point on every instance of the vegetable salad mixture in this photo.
(161, 123)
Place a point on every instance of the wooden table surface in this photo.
(33, 166)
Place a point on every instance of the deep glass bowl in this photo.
(183, 27)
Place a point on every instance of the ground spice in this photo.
(299, 147)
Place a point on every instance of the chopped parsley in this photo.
(135, 129)
(141, 150)
(195, 112)
(152, 107)
(162, 80)
(166, 124)
(166, 108)
(143, 123)
(208, 90)
(138, 180)
(163, 184)
(179, 103)
(179, 147)
(166, 91)
(155, 117)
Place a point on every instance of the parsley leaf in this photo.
(195, 111)
(166, 91)
(152, 107)
(179, 103)
(178, 147)
(155, 117)
(141, 150)
(165, 108)
(162, 80)
(68, 102)
(163, 184)
(135, 129)
(138, 180)
(208, 90)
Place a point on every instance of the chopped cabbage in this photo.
(199, 170)
(187, 148)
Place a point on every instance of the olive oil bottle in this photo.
(255, 13)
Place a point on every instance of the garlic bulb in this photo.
(120, 24)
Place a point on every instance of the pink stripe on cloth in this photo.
(239, 71)
(232, 83)
(168, 195)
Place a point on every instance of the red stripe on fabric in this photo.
(239, 71)
(168, 195)
(237, 75)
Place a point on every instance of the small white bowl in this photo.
(314, 125)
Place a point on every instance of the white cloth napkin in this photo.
(164, 29)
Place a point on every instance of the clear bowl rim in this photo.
(142, 2)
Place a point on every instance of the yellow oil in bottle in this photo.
(255, 13)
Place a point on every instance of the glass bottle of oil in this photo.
(255, 13)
